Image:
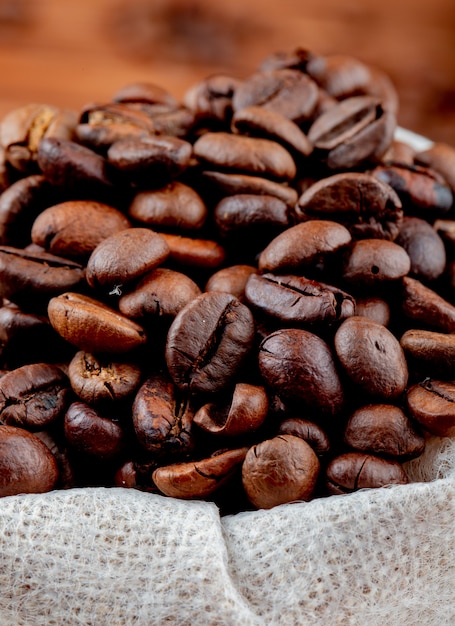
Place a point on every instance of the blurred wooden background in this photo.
(71, 52)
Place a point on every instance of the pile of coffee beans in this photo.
(247, 296)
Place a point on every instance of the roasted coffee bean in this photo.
(430, 353)
(74, 228)
(160, 293)
(279, 470)
(383, 429)
(97, 380)
(232, 184)
(198, 479)
(175, 206)
(303, 245)
(242, 413)
(289, 92)
(231, 279)
(297, 364)
(399, 153)
(92, 326)
(362, 203)
(309, 431)
(124, 257)
(424, 247)
(31, 278)
(242, 212)
(258, 121)
(162, 418)
(208, 341)
(33, 396)
(354, 132)
(421, 190)
(211, 99)
(22, 130)
(298, 299)
(354, 470)
(199, 253)
(247, 154)
(151, 158)
(441, 158)
(373, 308)
(20, 204)
(67, 164)
(432, 404)
(372, 357)
(91, 433)
(373, 262)
(26, 463)
(425, 306)
(144, 92)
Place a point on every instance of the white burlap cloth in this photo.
(115, 556)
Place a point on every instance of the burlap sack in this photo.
(113, 556)
(96, 557)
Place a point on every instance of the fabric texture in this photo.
(116, 557)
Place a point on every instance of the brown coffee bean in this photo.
(208, 341)
(26, 463)
(354, 470)
(125, 256)
(92, 434)
(372, 357)
(92, 326)
(20, 204)
(430, 353)
(162, 419)
(31, 278)
(432, 404)
(302, 245)
(242, 212)
(258, 121)
(69, 165)
(211, 99)
(33, 396)
(441, 158)
(374, 262)
(22, 130)
(297, 364)
(232, 184)
(424, 305)
(288, 92)
(248, 154)
(174, 206)
(97, 379)
(144, 92)
(383, 429)
(242, 413)
(231, 279)
(74, 228)
(298, 299)
(355, 131)
(149, 157)
(373, 308)
(399, 153)
(310, 432)
(367, 207)
(198, 479)
(193, 252)
(424, 247)
(160, 293)
(421, 190)
(279, 470)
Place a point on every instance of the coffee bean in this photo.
(309, 431)
(424, 305)
(432, 404)
(208, 341)
(354, 470)
(91, 433)
(372, 357)
(279, 470)
(424, 247)
(430, 353)
(375, 261)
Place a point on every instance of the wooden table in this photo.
(72, 52)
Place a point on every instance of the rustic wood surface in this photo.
(71, 52)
